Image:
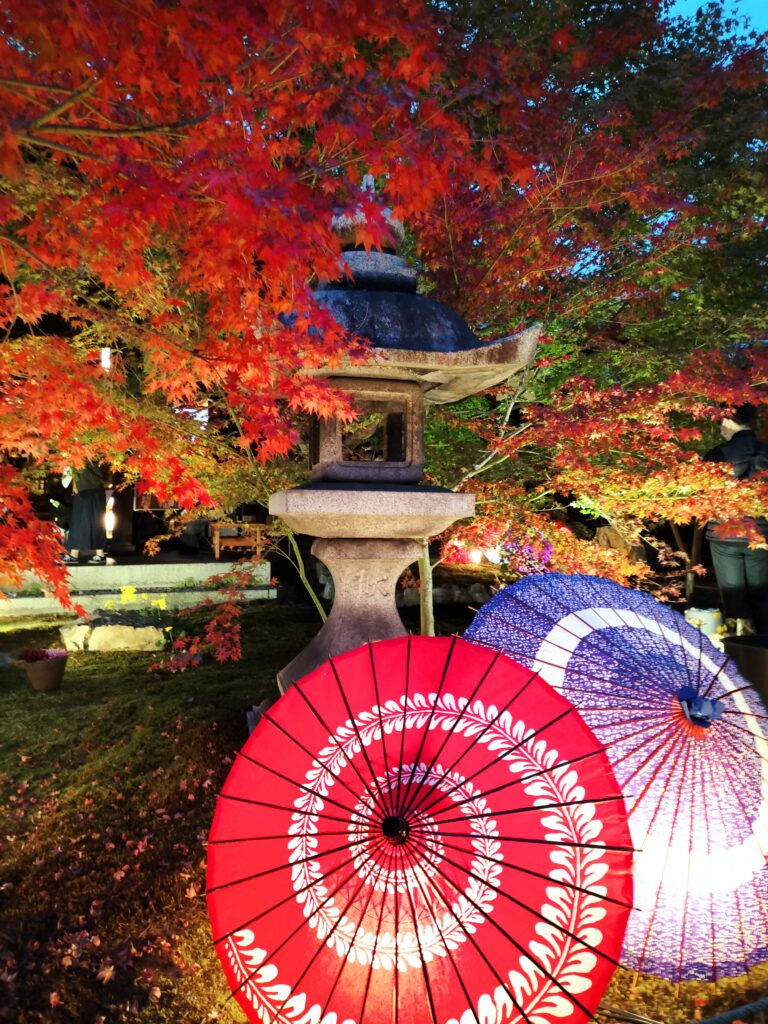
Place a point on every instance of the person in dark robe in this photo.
(87, 531)
(741, 570)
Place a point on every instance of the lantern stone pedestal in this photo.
(366, 537)
(365, 575)
(364, 501)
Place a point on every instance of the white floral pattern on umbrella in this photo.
(453, 848)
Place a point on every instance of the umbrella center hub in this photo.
(395, 829)
(700, 711)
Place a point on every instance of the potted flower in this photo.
(44, 667)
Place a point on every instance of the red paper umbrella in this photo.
(419, 831)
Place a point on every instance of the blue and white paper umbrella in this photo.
(688, 740)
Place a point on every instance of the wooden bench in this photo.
(239, 536)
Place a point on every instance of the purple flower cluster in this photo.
(528, 554)
(42, 654)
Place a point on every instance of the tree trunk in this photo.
(426, 607)
(696, 543)
(692, 554)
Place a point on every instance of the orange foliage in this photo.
(167, 178)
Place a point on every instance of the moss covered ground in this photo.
(107, 790)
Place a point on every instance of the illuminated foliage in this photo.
(168, 176)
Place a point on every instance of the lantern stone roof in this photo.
(414, 337)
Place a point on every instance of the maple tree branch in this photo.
(544, 196)
(9, 277)
(277, 66)
(73, 97)
(448, 232)
(105, 313)
(19, 83)
(127, 132)
(30, 140)
(60, 108)
(492, 458)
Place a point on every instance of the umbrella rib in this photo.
(736, 892)
(716, 677)
(418, 873)
(507, 811)
(677, 742)
(709, 830)
(669, 752)
(276, 906)
(738, 794)
(405, 698)
(283, 866)
(332, 736)
(730, 712)
(510, 938)
(390, 804)
(414, 805)
(300, 785)
(337, 979)
(653, 610)
(381, 802)
(687, 776)
(396, 933)
(738, 689)
(379, 923)
(532, 841)
(282, 807)
(673, 753)
(735, 729)
(470, 937)
(618, 701)
(622, 715)
(519, 903)
(710, 652)
(257, 839)
(521, 779)
(651, 739)
(321, 946)
(584, 674)
(424, 972)
(535, 874)
(405, 800)
(741, 737)
(424, 805)
(698, 660)
(589, 639)
(706, 772)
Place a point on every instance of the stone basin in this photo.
(370, 511)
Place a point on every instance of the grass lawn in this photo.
(108, 788)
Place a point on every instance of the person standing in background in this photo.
(741, 570)
(87, 531)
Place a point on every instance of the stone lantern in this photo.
(364, 502)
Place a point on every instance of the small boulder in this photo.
(100, 635)
(113, 637)
(75, 637)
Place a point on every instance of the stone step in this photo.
(123, 586)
